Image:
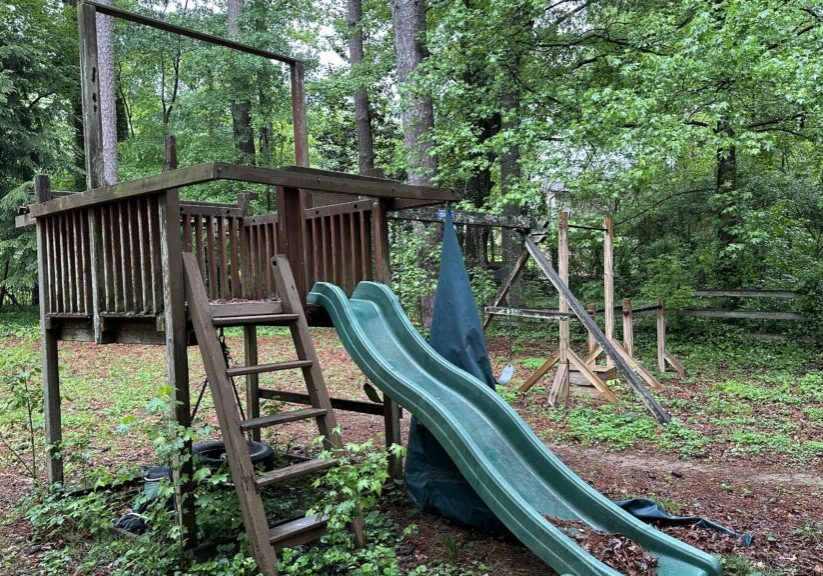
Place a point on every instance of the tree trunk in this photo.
(409, 20)
(264, 100)
(108, 94)
(241, 108)
(510, 174)
(79, 178)
(477, 190)
(362, 114)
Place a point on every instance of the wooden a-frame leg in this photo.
(587, 372)
(560, 387)
(539, 373)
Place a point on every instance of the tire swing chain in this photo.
(228, 360)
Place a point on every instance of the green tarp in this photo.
(432, 480)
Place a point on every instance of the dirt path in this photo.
(773, 475)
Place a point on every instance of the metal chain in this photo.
(227, 359)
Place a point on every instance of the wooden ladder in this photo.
(264, 541)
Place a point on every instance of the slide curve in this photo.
(511, 469)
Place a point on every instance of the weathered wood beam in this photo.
(745, 294)
(188, 32)
(90, 96)
(506, 286)
(608, 281)
(528, 313)
(742, 314)
(316, 180)
(344, 404)
(291, 177)
(637, 385)
(468, 218)
(298, 112)
(51, 376)
(190, 175)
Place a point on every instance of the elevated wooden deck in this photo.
(108, 256)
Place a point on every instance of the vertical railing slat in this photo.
(225, 258)
(235, 257)
(210, 243)
(156, 259)
(145, 261)
(198, 242)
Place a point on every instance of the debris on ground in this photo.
(614, 550)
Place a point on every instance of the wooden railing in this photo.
(66, 243)
(129, 279)
(339, 244)
(105, 254)
(232, 248)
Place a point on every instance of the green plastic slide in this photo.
(514, 473)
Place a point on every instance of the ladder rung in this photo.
(230, 309)
(297, 532)
(280, 475)
(274, 367)
(259, 320)
(281, 418)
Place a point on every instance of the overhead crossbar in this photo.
(580, 227)
(188, 32)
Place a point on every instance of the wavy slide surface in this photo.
(517, 476)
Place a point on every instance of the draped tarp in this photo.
(432, 480)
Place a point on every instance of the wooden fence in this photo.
(719, 314)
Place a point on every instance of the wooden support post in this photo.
(92, 148)
(298, 108)
(382, 273)
(560, 387)
(252, 380)
(90, 96)
(539, 373)
(628, 327)
(169, 153)
(48, 340)
(291, 235)
(592, 310)
(661, 335)
(608, 282)
(174, 307)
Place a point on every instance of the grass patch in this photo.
(609, 425)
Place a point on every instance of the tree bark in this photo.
(264, 100)
(240, 108)
(362, 114)
(510, 174)
(477, 190)
(409, 21)
(108, 93)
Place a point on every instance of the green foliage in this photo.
(354, 484)
(336, 555)
(21, 405)
(38, 84)
(615, 428)
(689, 443)
(508, 393)
(352, 489)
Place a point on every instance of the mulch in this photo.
(614, 550)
